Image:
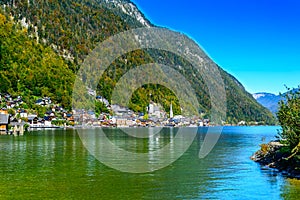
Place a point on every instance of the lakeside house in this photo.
(22, 113)
(32, 119)
(11, 103)
(4, 121)
(46, 101)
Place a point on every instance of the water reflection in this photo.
(110, 146)
(291, 189)
(55, 164)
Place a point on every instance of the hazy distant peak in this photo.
(268, 100)
(262, 94)
(258, 95)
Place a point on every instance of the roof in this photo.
(4, 118)
(18, 123)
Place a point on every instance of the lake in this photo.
(54, 164)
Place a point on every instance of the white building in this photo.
(156, 110)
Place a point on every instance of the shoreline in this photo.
(273, 156)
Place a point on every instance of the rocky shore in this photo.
(274, 155)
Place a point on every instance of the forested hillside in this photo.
(30, 69)
(52, 38)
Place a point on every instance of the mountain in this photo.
(72, 29)
(268, 100)
(271, 101)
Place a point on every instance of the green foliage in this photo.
(40, 110)
(146, 116)
(11, 112)
(100, 108)
(289, 119)
(58, 122)
(26, 127)
(31, 69)
(159, 94)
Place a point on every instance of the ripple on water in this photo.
(54, 164)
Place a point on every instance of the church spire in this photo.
(171, 111)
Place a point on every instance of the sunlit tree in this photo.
(289, 119)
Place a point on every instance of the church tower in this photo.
(171, 111)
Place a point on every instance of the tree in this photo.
(100, 108)
(289, 119)
(11, 112)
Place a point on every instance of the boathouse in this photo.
(4, 121)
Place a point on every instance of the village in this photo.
(16, 118)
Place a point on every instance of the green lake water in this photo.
(54, 164)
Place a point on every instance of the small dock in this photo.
(42, 126)
(18, 128)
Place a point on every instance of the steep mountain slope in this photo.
(73, 28)
(30, 69)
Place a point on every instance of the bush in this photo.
(26, 127)
(289, 119)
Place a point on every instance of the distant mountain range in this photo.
(268, 100)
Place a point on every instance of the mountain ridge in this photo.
(268, 100)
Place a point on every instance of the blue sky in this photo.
(257, 41)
